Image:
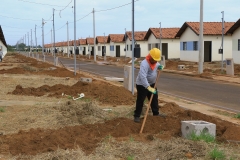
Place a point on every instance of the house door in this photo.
(165, 50)
(207, 51)
(103, 49)
(84, 50)
(117, 51)
(92, 51)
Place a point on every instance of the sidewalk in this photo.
(225, 78)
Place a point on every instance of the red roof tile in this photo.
(101, 39)
(90, 41)
(117, 38)
(138, 35)
(209, 28)
(167, 33)
(83, 41)
(234, 27)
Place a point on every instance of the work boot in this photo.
(137, 119)
(162, 115)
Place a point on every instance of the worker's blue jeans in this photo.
(142, 93)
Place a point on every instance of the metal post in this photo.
(222, 37)
(160, 37)
(42, 36)
(25, 39)
(133, 46)
(75, 37)
(54, 40)
(67, 40)
(28, 39)
(36, 37)
(201, 46)
(104, 52)
(94, 50)
(125, 44)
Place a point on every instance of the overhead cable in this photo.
(19, 18)
(116, 7)
(41, 3)
(60, 27)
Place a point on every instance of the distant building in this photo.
(3, 44)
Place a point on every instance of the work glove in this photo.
(160, 67)
(152, 90)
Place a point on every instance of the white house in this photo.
(3, 44)
(83, 46)
(101, 41)
(139, 37)
(235, 32)
(170, 44)
(212, 36)
(90, 43)
(117, 45)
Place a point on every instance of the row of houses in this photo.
(3, 44)
(177, 43)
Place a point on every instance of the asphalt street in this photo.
(205, 91)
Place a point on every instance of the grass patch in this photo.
(130, 158)
(204, 136)
(237, 116)
(2, 109)
(217, 154)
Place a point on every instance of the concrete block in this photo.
(114, 79)
(187, 127)
(87, 80)
(181, 67)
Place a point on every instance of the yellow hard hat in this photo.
(156, 54)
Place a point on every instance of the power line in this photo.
(116, 7)
(19, 18)
(12, 27)
(41, 3)
(64, 8)
(60, 27)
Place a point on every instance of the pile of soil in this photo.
(101, 91)
(88, 136)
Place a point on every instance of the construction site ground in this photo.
(39, 119)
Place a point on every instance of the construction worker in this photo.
(145, 83)
(1, 54)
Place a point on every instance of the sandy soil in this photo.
(47, 125)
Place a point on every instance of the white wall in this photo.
(173, 46)
(189, 35)
(99, 53)
(4, 48)
(143, 46)
(113, 53)
(235, 52)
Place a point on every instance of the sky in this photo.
(19, 17)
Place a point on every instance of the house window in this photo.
(156, 45)
(149, 47)
(127, 47)
(99, 48)
(195, 45)
(238, 44)
(184, 46)
(111, 48)
(131, 47)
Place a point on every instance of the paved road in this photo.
(210, 92)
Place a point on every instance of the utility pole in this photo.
(25, 39)
(201, 46)
(75, 38)
(51, 43)
(54, 40)
(222, 37)
(125, 44)
(104, 51)
(133, 46)
(42, 36)
(67, 40)
(28, 39)
(36, 37)
(94, 49)
(160, 31)
(31, 43)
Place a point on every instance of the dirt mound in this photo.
(87, 113)
(171, 108)
(97, 90)
(15, 70)
(88, 136)
(171, 64)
